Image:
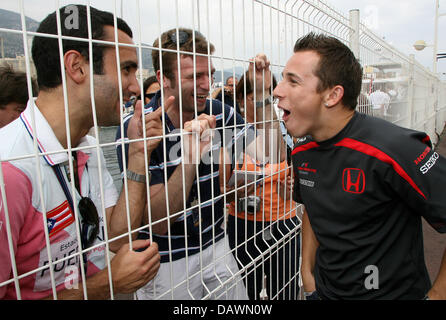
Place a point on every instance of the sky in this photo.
(399, 22)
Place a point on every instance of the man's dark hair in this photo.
(230, 77)
(148, 82)
(337, 65)
(45, 50)
(186, 43)
(241, 91)
(14, 87)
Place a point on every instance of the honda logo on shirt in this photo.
(353, 180)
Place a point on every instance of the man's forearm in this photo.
(130, 270)
(269, 137)
(118, 219)
(176, 203)
(309, 248)
(98, 288)
(275, 147)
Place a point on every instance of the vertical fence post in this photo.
(436, 96)
(410, 90)
(354, 34)
(441, 93)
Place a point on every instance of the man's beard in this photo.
(107, 114)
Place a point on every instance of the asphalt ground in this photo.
(434, 242)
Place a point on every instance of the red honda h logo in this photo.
(353, 180)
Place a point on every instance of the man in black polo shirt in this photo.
(365, 183)
(188, 224)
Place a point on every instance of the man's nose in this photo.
(204, 83)
(134, 87)
(277, 93)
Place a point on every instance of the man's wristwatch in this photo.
(267, 101)
(137, 177)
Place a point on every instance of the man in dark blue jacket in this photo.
(365, 183)
(186, 212)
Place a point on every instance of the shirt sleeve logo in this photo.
(429, 163)
(353, 180)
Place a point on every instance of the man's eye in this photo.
(129, 69)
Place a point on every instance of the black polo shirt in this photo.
(203, 225)
(365, 191)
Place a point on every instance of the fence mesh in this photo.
(258, 252)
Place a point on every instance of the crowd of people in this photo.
(189, 224)
(383, 101)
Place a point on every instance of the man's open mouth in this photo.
(284, 112)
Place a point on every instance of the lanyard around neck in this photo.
(63, 182)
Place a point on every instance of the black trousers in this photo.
(280, 264)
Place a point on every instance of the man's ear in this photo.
(334, 96)
(166, 81)
(76, 66)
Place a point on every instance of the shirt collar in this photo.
(47, 141)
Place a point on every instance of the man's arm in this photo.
(14, 209)
(201, 127)
(425, 195)
(130, 271)
(176, 203)
(259, 75)
(309, 248)
(275, 147)
(117, 217)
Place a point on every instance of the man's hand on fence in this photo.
(198, 134)
(262, 75)
(131, 269)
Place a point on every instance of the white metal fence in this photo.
(415, 93)
(240, 29)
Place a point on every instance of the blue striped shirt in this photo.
(202, 221)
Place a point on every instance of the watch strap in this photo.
(136, 177)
